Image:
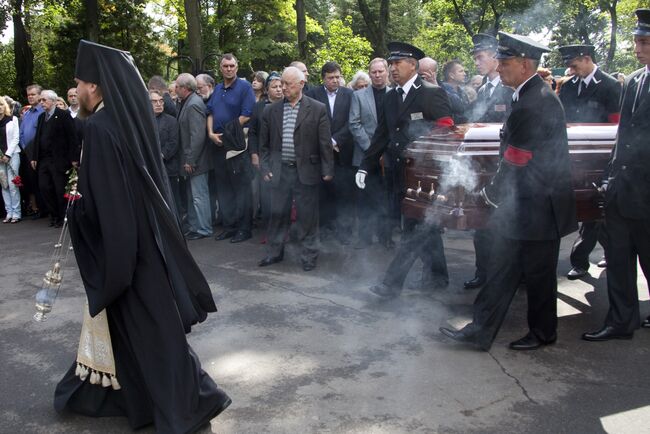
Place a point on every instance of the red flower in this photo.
(71, 197)
(18, 181)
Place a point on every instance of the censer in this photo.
(52, 281)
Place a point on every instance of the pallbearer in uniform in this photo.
(590, 96)
(492, 105)
(533, 200)
(627, 198)
(409, 110)
(142, 284)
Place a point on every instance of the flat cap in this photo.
(511, 45)
(483, 41)
(570, 52)
(643, 24)
(402, 50)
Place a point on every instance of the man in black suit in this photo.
(409, 110)
(533, 200)
(55, 148)
(492, 105)
(590, 96)
(338, 197)
(296, 155)
(627, 198)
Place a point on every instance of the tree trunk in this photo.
(92, 20)
(24, 57)
(301, 25)
(612, 37)
(376, 26)
(193, 20)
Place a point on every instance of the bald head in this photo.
(293, 81)
(429, 69)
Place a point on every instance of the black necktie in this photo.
(641, 92)
(400, 91)
(581, 87)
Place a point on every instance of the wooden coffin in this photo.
(443, 166)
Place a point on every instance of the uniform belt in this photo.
(289, 163)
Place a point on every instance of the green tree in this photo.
(351, 51)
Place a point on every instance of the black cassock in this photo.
(134, 264)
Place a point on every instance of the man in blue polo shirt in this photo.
(232, 101)
(27, 135)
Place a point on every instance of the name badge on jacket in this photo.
(499, 107)
(417, 116)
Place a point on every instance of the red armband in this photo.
(517, 156)
(614, 118)
(447, 121)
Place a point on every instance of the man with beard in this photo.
(533, 200)
(143, 287)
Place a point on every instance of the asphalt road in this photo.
(317, 353)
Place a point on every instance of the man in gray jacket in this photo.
(195, 158)
(371, 202)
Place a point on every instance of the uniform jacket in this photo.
(62, 136)
(339, 126)
(599, 102)
(532, 187)
(312, 141)
(192, 136)
(492, 108)
(629, 183)
(426, 106)
(362, 121)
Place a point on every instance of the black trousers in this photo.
(288, 191)
(511, 260)
(235, 195)
(627, 240)
(418, 241)
(482, 245)
(372, 209)
(51, 183)
(588, 235)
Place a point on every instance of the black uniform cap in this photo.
(570, 52)
(511, 45)
(402, 50)
(483, 41)
(643, 24)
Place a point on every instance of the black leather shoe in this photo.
(602, 263)
(463, 336)
(529, 342)
(385, 291)
(576, 273)
(605, 334)
(475, 283)
(240, 236)
(225, 235)
(646, 323)
(308, 265)
(194, 236)
(270, 260)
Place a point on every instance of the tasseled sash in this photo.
(95, 353)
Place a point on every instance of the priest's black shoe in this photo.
(646, 323)
(308, 265)
(384, 290)
(225, 235)
(476, 282)
(605, 334)
(270, 260)
(576, 273)
(602, 263)
(240, 236)
(530, 342)
(461, 336)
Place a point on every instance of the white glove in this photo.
(360, 179)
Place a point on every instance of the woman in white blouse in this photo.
(9, 162)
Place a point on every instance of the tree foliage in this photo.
(351, 51)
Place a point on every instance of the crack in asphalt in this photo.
(517, 382)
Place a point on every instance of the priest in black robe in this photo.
(134, 263)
